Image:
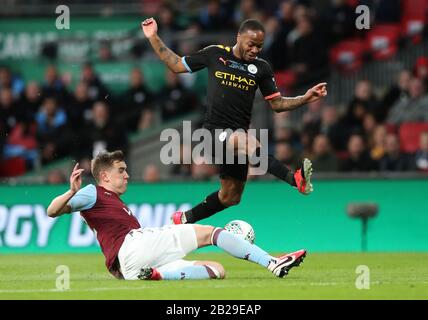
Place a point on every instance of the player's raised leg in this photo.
(229, 195)
(233, 177)
(301, 178)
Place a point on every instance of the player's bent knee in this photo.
(229, 199)
(234, 200)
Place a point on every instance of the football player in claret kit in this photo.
(132, 252)
(234, 74)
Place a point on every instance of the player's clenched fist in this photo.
(150, 27)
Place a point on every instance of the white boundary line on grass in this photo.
(69, 290)
(312, 284)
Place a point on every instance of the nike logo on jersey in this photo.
(107, 193)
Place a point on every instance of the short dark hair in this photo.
(251, 24)
(105, 160)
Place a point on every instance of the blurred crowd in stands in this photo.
(43, 122)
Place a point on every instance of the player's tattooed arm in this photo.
(281, 104)
(170, 58)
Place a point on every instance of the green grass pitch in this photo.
(321, 276)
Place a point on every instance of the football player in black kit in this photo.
(234, 74)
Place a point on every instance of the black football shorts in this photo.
(229, 165)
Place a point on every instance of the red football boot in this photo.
(178, 218)
(303, 177)
(282, 264)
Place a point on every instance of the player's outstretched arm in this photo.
(59, 205)
(281, 104)
(170, 58)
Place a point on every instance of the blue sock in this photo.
(189, 272)
(240, 248)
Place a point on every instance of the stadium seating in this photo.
(414, 8)
(12, 167)
(391, 128)
(352, 3)
(348, 55)
(414, 19)
(285, 80)
(382, 41)
(413, 27)
(409, 134)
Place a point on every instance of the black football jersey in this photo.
(232, 85)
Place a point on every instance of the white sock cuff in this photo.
(214, 271)
(214, 235)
